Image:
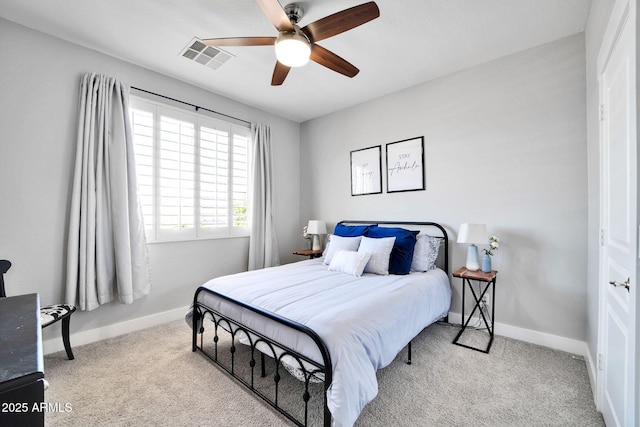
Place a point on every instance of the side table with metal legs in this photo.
(489, 279)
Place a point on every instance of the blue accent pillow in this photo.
(351, 230)
(402, 253)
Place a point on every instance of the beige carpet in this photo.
(151, 378)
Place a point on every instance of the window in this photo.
(193, 173)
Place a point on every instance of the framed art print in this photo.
(405, 165)
(366, 171)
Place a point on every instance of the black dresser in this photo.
(21, 363)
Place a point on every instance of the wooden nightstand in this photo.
(490, 281)
(309, 252)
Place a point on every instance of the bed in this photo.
(322, 322)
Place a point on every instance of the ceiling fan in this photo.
(294, 46)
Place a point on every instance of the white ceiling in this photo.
(411, 42)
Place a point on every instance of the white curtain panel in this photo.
(107, 253)
(263, 247)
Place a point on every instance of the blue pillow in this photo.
(351, 230)
(402, 253)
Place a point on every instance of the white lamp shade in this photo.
(316, 227)
(473, 233)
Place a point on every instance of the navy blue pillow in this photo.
(350, 230)
(402, 253)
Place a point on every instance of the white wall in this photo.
(39, 82)
(505, 145)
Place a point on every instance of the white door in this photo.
(616, 62)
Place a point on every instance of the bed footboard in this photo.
(224, 333)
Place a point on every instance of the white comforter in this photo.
(364, 321)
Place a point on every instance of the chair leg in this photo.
(65, 337)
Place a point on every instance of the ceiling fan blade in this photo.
(332, 61)
(276, 14)
(279, 74)
(240, 41)
(341, 21)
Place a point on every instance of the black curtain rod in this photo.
(191, 105)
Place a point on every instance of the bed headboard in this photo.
(431, 228)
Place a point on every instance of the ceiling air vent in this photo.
(212, 57)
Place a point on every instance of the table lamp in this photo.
(473, 234)
(315, 228)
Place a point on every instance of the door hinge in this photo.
(601, 112)
(602, 237)
(600, 362)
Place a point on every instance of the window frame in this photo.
(154, 232)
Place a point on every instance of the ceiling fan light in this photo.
(293, 49)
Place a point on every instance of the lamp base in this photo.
(473, 261)
(316, 243)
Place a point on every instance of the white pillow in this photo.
(350, 262)
(380, 250)
(338, 243)
(425, 253)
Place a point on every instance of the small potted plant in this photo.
(494, 244)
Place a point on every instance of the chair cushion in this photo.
(52, 313)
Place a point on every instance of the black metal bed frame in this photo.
(277, 350)
(311, 369)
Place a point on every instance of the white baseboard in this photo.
(592, 371)
(534, 337)
(54, 344)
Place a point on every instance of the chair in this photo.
(49, 314)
